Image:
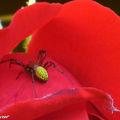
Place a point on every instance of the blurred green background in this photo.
(8, 7)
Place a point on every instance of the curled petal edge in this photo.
(55, 101)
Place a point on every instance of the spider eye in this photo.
(41, 73)
(28, 69)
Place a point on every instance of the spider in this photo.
(39, 69)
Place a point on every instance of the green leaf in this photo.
(23, 46)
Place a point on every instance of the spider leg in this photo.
(51, 64)
(20, 73)
(13, 61)
(41, 56)
(33, 85)
(10, 64)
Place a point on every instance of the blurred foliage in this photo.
(113, 4)
(22, 46)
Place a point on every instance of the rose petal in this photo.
(40, 107)
(73, 112)
(95, 53)
(25, 22)
(85, 38)
(20, 90)
(35, 108)
(18, 94)
(57, 81)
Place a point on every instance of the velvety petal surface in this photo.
(23, 99)
(18, 96)
(72, 112)
(25, 21)
(85, 38)
(57, 81)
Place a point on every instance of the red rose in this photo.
(82, 36)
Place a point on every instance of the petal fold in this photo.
(25, 22)
(85, 38)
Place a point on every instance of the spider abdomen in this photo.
(41, 73)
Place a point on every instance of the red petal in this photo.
(85, 38)
(60, 92)
(21, 91)
(57, 81)
(74, 37)
(25, 21)
(72, 112)
(41, 107)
